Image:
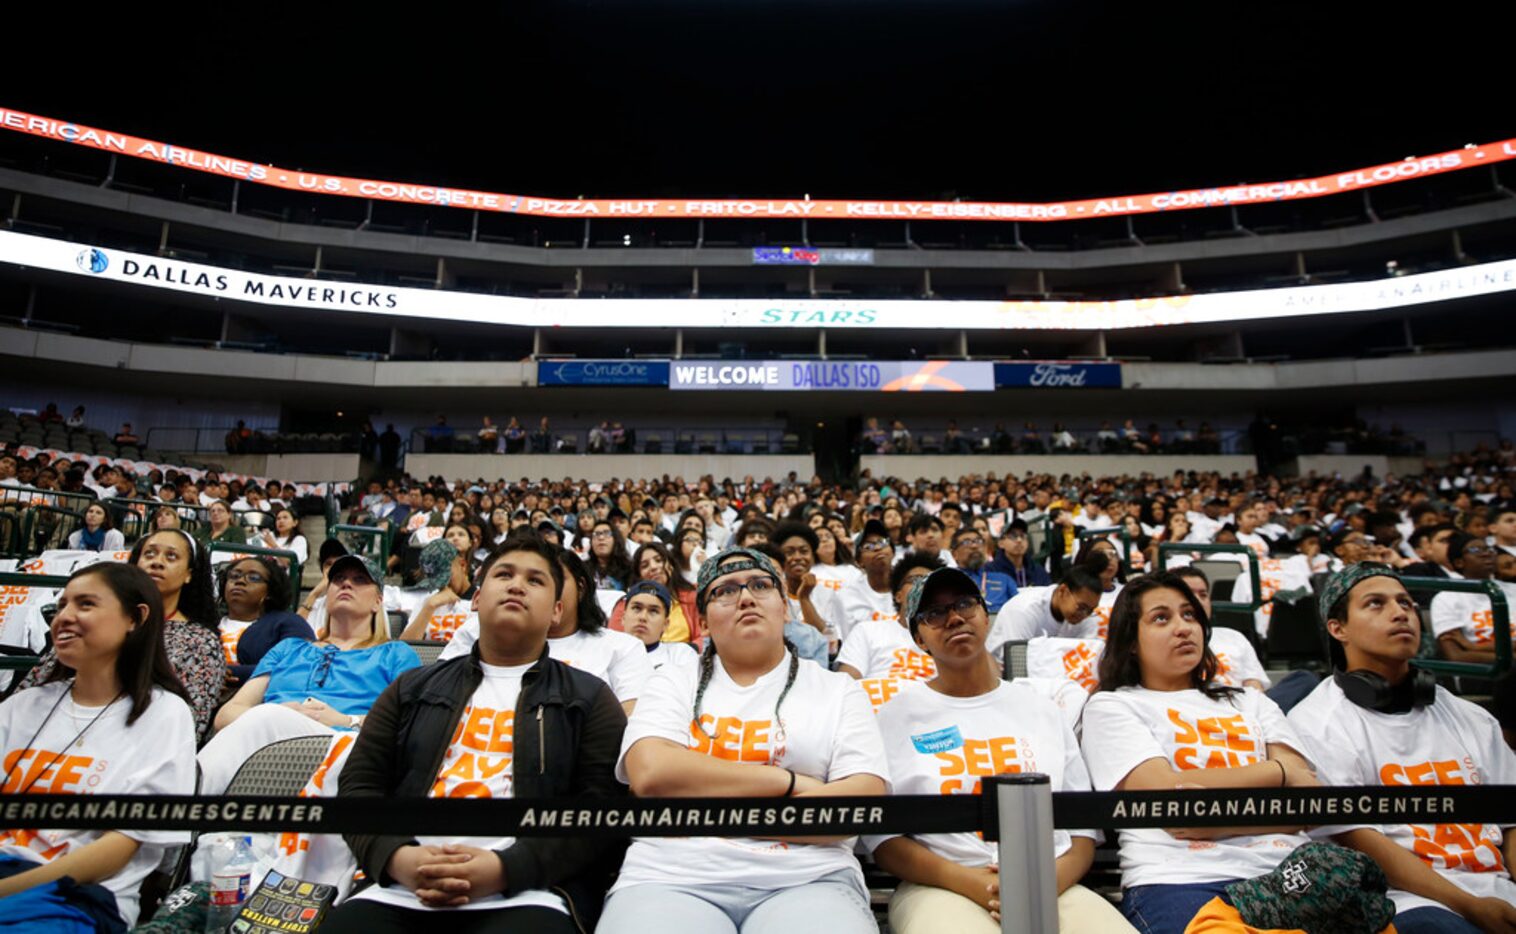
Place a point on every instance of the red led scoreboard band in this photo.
(696, 208)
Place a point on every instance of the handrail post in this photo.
(1028, 879)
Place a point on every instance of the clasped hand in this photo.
(447, 876)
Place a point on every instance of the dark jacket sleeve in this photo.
(369, 774)
(263, 635)
(540, 862)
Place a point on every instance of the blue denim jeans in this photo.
(1167, 909)
(1432, 921)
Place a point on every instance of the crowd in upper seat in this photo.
(793, 638)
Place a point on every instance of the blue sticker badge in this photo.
(938, 740)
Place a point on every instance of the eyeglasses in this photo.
(1015, 536)
(970, 540)
(877, 544)
(935, 616)
(245, 577)
(602, 533)
(727, 594)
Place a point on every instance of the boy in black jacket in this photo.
(504, 721)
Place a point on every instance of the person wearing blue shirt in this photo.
(1011, 557)
(312, 688)
(968, 554)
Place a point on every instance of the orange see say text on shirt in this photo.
(42, 772)
(1446, 846)
(977, 757)
(735, 739)
(1212, 742)
(480, 752)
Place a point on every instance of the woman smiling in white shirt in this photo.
(111, 718)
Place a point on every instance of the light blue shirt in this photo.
(347, 681)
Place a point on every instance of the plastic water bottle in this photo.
(232, 863)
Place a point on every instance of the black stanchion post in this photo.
(1028, 883)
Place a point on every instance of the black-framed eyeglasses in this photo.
(245, 577)
(729, 593)
(935, 616)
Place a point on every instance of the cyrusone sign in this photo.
(216, 282)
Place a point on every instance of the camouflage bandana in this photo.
(1320, 888)
(937, 577)
(1346, 579)
(712, 569)
(437, 564)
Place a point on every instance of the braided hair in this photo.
(708, 668)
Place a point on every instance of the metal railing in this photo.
(366, 540)
(1171, 548)
(10, 583)
(1003, 440)
(236, 552)
(637, 439)
(1501, 618)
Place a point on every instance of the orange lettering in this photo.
(755, 739)
(1186, 733)
(475, 729)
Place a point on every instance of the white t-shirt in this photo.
(446, 619)
(154, 756)
(881, 690)
(825, 730)
(828, 605)
(675, 654)
(945, 745)
(1029, 614)
(1448, 742)
(1186, 729)
(1068, 696)
(231, 633)
(618, 659)
(1253, 540)
(1274, 575)
(1236, 660)
(1471, 614)
(861, 602)
(1076, 660)
(881, 648)
(478, 764)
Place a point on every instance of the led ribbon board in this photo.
(437, 195)
(217, 282)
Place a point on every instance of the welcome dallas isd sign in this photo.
(828, 375)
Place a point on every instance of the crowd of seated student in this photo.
(901, 614)
(1128, 439)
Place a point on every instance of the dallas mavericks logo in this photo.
(92, 260)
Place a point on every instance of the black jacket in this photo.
(567, 737)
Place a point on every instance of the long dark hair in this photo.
(142, 662)
(278, 582)
(1091, 556)
(616, 565)
(1121, 667)
(197, 601)
(677, 583)
(588, 612)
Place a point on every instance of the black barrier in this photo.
(743, 817)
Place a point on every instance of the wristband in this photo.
(790, 790)
(1283, 776)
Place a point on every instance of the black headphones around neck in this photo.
(1371, 691)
